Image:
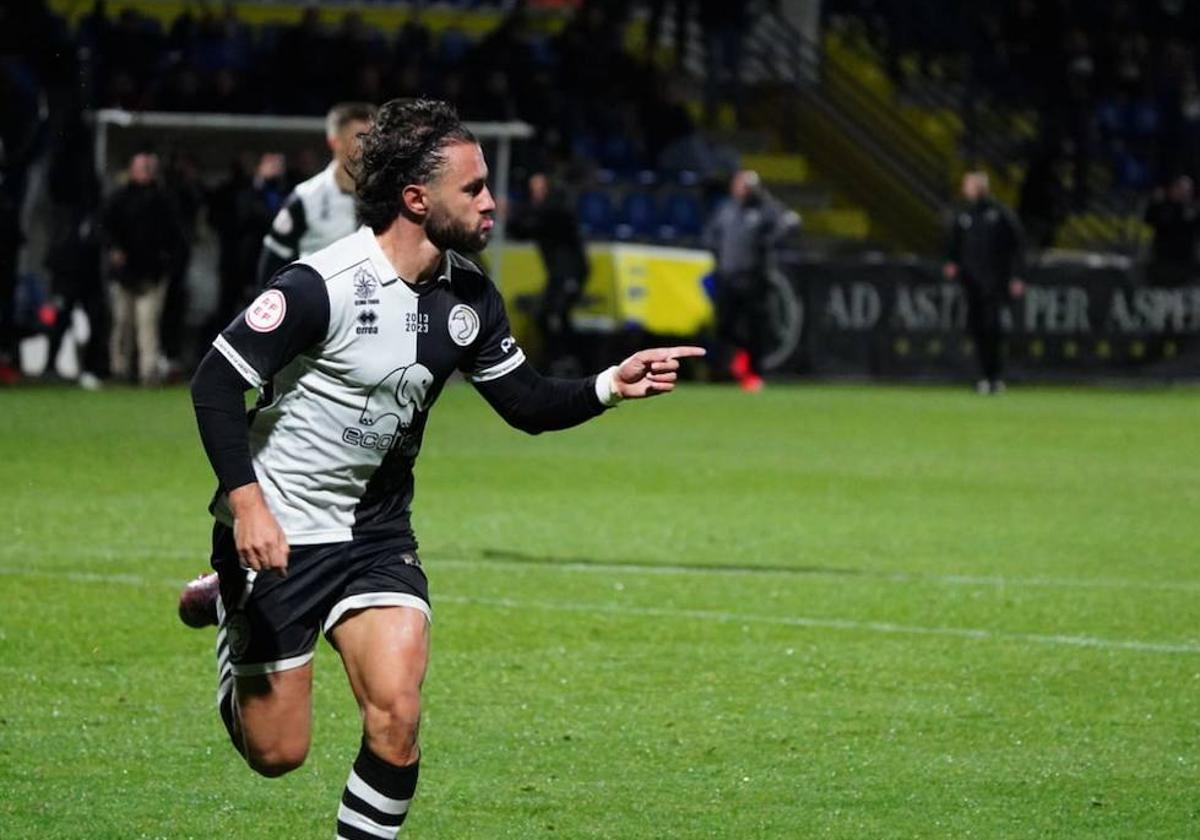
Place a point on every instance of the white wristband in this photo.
(606, 389)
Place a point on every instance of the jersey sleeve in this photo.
(496, 353)
(288, 226)
(286, 319)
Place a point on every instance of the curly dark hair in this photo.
(404, 146)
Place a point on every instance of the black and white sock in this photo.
(225, 692)
(376, 798)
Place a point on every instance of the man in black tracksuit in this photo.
(987, 254)
(549, 220)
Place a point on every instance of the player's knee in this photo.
(276, 760)
(392, 727)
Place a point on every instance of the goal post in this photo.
(214, 138)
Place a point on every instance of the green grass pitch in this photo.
(820, 611)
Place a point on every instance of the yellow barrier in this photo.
(656, 289)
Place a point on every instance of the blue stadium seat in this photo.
(619, 153)
(639, 216)
(595, 211)
(681, 216)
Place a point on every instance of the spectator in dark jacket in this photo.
(987, 254)
(1173, 215)
(144, 241)
(549, 220)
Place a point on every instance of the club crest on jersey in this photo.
(463, 324)
(365, 283)
(267, 311)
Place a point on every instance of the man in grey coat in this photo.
(742, 233)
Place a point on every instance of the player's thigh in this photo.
(385, 651)
(275, 709)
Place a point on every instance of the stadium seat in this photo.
(639, 216)
(595, 211)
(618, 153)
(681, 216)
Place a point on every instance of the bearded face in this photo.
(447, 232)
(460, 210)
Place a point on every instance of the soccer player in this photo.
(350, 348)
(319, 211)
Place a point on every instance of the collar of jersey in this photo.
(387, 273)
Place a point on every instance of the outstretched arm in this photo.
(534, 403)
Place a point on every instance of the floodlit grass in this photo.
(815, 612)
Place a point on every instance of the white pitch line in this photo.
(832, 574)
(849, 576)
(835, 624)
(851, 625)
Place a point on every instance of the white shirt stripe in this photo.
(239, 364)
(374, 798)
(501, 369)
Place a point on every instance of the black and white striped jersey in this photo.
(350, 359)
(315, 215)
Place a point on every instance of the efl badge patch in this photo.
(463, 325)
(267, 311)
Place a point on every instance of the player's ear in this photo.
(416, 199)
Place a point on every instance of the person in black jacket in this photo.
(144, 241)
(549, 220)
(1175, 218)
(987, 255)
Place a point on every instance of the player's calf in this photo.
(391, 730)
(384, 778)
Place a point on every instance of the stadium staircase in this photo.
(841, 121)
(934, 105)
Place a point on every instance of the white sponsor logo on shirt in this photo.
(267, 311)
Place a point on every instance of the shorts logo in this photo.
(463, 325)
(267, 311)
(364, 283)
(237, 630)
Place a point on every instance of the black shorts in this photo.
(270, 622)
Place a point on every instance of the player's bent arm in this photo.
(218, 397)
(534, 403)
